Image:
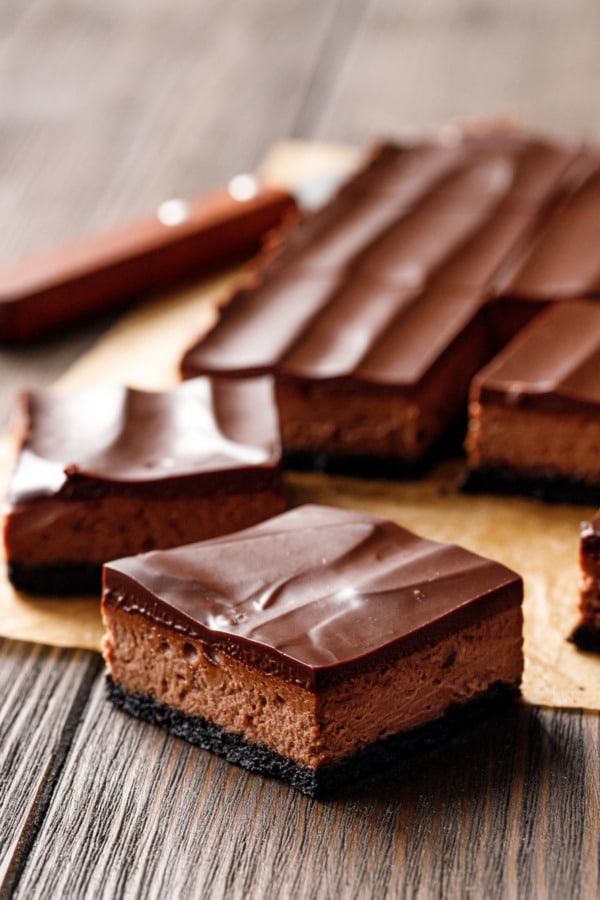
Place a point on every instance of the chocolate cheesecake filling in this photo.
(312, 729)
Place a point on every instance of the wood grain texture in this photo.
(106, 109)
(44, 693)
(419, 64)
(143, 814)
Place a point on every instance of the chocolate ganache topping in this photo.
(553, 364)
(314, 593)
(376, 285)
(197, 437)
(562, 261)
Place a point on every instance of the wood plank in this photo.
(344, 25)
(44, 694)
(421, 64)
(489, 815)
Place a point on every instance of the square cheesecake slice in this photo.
(587, 633)
(313, 646)
(534, 415)
(112, 471)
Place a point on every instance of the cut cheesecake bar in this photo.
(587, 633)
(380, 412)
(112, 471)
(374, 313)
(534, 415)
(313, 645)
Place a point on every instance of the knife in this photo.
(41, 294)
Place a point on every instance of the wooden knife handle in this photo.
(106, 271)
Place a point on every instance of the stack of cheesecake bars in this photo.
(446, 279)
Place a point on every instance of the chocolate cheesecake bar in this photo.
(374, 313)
(112, 471)
(312, 646)
(587, 633)
(534, 416)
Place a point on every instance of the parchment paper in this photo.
(537, 540)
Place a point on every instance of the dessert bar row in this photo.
(113, 471)
(375, 314)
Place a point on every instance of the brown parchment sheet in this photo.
(537, 540)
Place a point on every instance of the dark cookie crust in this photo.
(389, 468)
(327, 780)
(550, 488)
(64, 580)
(586, 637)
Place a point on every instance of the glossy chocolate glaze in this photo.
(198, 437)
(379, 283)
(313, 594)
(553, 364)
(563, 260)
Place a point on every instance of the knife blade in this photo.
(106, 271)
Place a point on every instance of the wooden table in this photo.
(105, 110)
